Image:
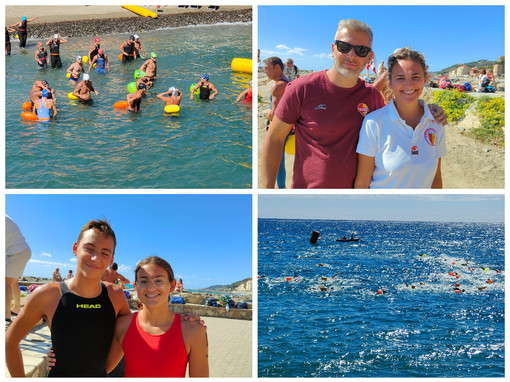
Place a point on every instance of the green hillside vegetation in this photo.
(473, 64)
(230, 287)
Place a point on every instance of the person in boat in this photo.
(344, 238)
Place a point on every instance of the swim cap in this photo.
(141, 86)
(45, 83)
(39, 44)
(55, 35)
(78, 58)
(24, 18)
(132, 38)
(172, 89)
(85, 77)
(153, 55)
(100, 51)
(45, 93)
(205, 77)
(136, 36)
(251, 82)
(97, 39)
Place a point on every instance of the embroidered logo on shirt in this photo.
(322, 106)
(363, 109)
(414, 150)
(430, 136)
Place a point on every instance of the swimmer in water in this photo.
(205, 88)
(101, 61)
(84, 89)
(128, 50)
(246, 94)
(135, 99)
(75, 70)
(94, 49)
(43, 106)
(172, 97)
(150, 67)
(41, 57)
(144, 80)
(138, 47)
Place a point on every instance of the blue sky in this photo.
(453, 208)
(447, 35)
(207, 239)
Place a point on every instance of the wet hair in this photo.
(159, 262)
(406, 54)
(102, 226)
(355, 25)
(114, 266)
(274, 61)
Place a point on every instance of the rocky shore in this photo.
(78, 28)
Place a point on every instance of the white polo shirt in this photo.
(404, 158)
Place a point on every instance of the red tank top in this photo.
(148, 355)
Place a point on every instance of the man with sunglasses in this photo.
(327, 109)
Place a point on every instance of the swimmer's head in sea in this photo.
(136, 36)
(132, 38)
(205, 77)
(45, 93)
(78, 58)
(97, 39)
(171, 89)
(24, 18)
(153, 55)
(100, 51)
(86, 77)
(141, 86)
(55, 36)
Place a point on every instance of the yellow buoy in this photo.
(290, 146)
(68, 75)
(172, 108)
(85, 59)
(71, 96)
(243, 65)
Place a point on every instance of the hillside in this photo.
(230, 287)
(472, 64)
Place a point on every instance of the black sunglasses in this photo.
(345, 47)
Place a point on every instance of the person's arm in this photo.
(121, 48)
(34, 310)
(32, 19)
(77, 90)
(438, 114)
(162, 97)
(272, 151)
(123, 279)
(365, 171)
(55, 112)
(62, 39)
(144, 65)
(277, 91)
(69, 69)
(49, 41)
(243, 94)
(215, 91)
(116, 352)
(438, 179)
(35, 56)
(198, 350)
(381, 83)
(33, 111)
(91, 63)
(107, 63)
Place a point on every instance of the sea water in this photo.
(419, 328)
(207, 145)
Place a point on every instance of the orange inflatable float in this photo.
(29, 116)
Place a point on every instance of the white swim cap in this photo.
(55, 35)
(85, 77)
(171, 89)
(78, 58)
(136, 36)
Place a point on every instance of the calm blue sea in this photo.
(350, 330)
(208, 145)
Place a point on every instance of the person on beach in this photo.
(205, 88)
(101, 61)
(172, 97)
(84, 89)
(483, 81)
(54, 46)
(155, 341)
(381, 69)
(112, 276)
(75, 70)
(138, 47)
(42, 108)
(400, 145)
(179, 287)
(23, 30)
(17, 254)
(128, 50)
(150, 67)
(8, 46)
(273, 67)
(291, 70)
(69, 274)
(135, 99)
(246, 95)
(94, 49)
(326, 109)
(41, 57)
(55, 276)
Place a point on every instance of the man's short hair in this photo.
(114, 266)
(274, 61)
(101, 226)
(355, 25)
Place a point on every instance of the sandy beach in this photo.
(469, 164)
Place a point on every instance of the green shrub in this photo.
(453, 102)
(491, 111)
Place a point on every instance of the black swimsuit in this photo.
(81, 334)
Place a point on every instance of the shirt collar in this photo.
(394, 116)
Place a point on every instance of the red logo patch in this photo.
(363, 109)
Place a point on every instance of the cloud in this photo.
(124, 268)
(50, 263)
(323, 56)
(45, 254)
(285, 50)
(72, 260)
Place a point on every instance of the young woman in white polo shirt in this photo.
(400, 145)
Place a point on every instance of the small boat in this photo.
(347, 240)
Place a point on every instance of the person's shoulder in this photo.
(192, 327)
(46, 291)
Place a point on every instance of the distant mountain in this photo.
(473, 64)
(229, 287)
